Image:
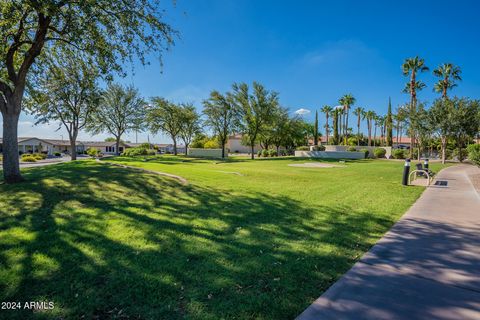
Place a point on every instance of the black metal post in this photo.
(406, 171)
(425, 164)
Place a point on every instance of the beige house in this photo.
(234, 145)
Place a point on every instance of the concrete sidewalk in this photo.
(426, 267)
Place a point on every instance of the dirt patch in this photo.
(315, 165)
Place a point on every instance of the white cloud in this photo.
(302, 111)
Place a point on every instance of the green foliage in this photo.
(352, 149)
(460, 153)
(389, 124)
(272, 153)
(93, 152)
(379, 152)
(28, 158)
(211, 144)
(474, 153)
(319, 148)
(265, 153)
(57, 154)
(366, 152)
(119, 111)
(398, 154)
(138, 151)
(303, 148)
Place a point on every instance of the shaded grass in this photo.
(105, 242)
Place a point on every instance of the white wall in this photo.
(235, 145)
(206, 153)
(370, 149)
(330, 154)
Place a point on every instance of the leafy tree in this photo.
(65, 92)
(440, 115)
(400, 118)
(360, 113)
(448, 74)
(346, 101)
(118, 111)
(111, 31)
(219, 111)
(166, 117)
(189, 124)
(465, 121)
(254, 110)
(110, 139)
(389, 124)
(327, 110)
(411, 67)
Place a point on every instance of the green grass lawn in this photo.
(243, 240)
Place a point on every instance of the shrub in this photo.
(474, 153)
(318, 148)
(366, 152)
(28, 158)
(379, 153)
(259, 153)
(133, 152)
(93, 152)
(58, 154)
(460, 154)
(211, 144)
(398, 154)
(303, 148)
(272, 153)
(151, 152)
(265, 153)
(352, 149)
(40, 156)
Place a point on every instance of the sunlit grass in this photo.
(243, 240)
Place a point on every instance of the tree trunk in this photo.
(223, 149)
(11, 166)
(444, 147)
(174, 146)
(117, 145)
(73, 147)
(252, 146)
(186, 148)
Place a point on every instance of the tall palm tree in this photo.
(327, 110)
(448, 74)
(382, 126)
(360, 113)
(400, 119)
(336, 115)
(370, 116)
(411, 67)
(346, 101)
(376, 121)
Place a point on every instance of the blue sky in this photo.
(311, 52)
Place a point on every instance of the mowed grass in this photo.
(243, 240)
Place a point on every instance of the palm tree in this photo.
(346, 101)
(382, 125)
(360, 113)
(400, 119)
(370, 116)
(376, 120)
(327, 110)
(411, 67)
(448, 74)
(336, 115)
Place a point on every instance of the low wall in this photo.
(330, 154)
(206, 153)
(388, 150)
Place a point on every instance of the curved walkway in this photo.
(426, 267)
(181, 179)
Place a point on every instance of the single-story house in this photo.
(51, 146)
(168, 148)
(234, 145)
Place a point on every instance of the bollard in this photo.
(406, 171)
(425, 164)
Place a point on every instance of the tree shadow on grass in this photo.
(104, 242)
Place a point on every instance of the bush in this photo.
(303, 148)
(211, 144)
(265, 153)
(272, 153)
(379, 153)
(93, 152)
(318, 148)
(28, 158)
(352, 149)
(474, 153)
(138, 151)
(398, 154)
(366, 151)
(460, 155)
